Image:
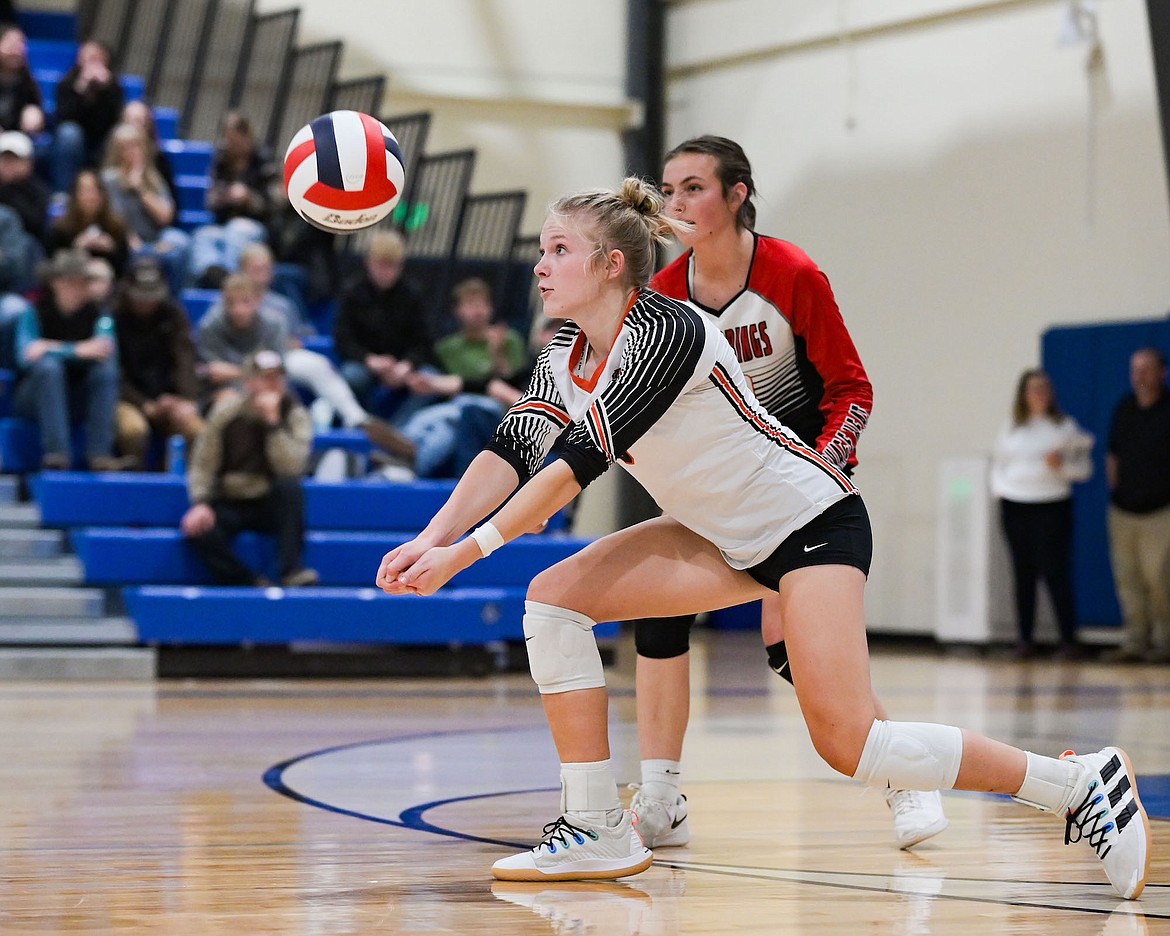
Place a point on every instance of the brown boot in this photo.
(388, 439)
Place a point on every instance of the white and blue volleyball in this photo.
(343, 171)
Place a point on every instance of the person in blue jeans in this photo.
(68, 361)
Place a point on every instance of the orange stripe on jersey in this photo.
(589, 383)
(802, 451)
(559, 416)
(595, 419)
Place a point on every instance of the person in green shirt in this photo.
(480, 362)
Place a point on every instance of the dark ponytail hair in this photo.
(731, 167)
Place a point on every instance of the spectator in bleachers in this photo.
(65, 347)
(245, 473)
(20, 188)
(258, 264)
(241, 174)
(101, 282)
(480, 362)
(308, 369)
(24, 200)
(159, 389)
(21, 105)
(380, 334)
(228, 333)
(16, 263)
(139, 114)
(88, 106)
(140, 198)
(139, 195)
(90, 224)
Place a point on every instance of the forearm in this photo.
(485, 485)
(550, 489)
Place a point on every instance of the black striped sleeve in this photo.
(663, 347)
(527, 432)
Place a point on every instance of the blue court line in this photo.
(413, 818)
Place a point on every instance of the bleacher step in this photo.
(26, 543)
(61, 570)
(19, 515)
(68, 663)
(9, 489)
(44, 602)
(105, 631)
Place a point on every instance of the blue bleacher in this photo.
(52, 55)
(159, 556)
(124, 532)
(191, 191)
(189, 157)
(81, 499)
(47, 24)
(178, 616)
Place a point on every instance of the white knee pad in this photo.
(562, 652)
(910, 756)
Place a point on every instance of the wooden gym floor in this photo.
(314, 807)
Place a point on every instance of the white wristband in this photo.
(488, 538)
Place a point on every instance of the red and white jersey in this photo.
(791, 342)
(671, 404)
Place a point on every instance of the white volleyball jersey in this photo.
(670, 403)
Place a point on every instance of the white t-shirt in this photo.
(1018, 470)
(671, 405)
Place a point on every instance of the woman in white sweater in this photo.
(1038, 456)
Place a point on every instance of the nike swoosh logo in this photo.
(678, 822)
(817, 546)
(526, 639)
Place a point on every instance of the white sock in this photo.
(589, 793)
(1049, 783)
(660, 779)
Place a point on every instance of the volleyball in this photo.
(343, 171)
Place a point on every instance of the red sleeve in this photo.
(848, 396)
(671, 280)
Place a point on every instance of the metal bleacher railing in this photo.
(210, 94)
(311, 79)
(358, 94)
(262, 81)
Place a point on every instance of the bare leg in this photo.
(663, 689)
(825, 632)
(578, 721)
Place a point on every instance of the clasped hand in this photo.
(417, 568)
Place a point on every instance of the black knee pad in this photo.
(663, 638)
(778, 659)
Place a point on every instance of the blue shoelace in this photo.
(562, 831)
(1088, 823)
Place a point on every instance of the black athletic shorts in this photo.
(839, 536)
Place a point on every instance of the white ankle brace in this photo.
(589, 789)
(1048, 783)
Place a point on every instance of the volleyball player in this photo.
(644, 380)
(777, 310)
